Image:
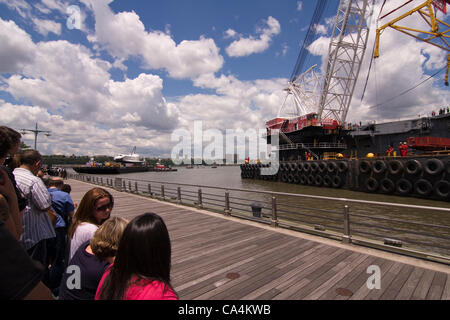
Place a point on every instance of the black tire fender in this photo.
(331, 167)
(372, 184)
(303, 179)
(342, 166)
(327, 182)
(395, 167)
(404, 186)
(423, 187)
(413, 167)
(290, 178)
(387, 185)
(379, 166)
(310, 179)
(442, 189)
(336, 182)
(365, 166)
(433, 166)
(318, 181)
(306, 167)
(322, 166)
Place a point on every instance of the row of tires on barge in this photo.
(422, 177)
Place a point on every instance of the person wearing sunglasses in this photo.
(95, 208)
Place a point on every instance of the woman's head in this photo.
(5, 145)
(106, 239)
(146, 243)
(144, 251)
(14, 137)
(95, 208)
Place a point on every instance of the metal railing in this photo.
(347, 220)
(320, 145)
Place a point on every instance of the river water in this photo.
(365, 218)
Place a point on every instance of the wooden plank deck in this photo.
(221, 258)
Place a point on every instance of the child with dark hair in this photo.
(66, 188)
(141, 270)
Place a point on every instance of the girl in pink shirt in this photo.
(141, 270)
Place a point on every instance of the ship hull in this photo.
(358, 141)
(110, 170)
(119, 170)
(417, 176)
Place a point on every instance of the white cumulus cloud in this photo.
(44, 27)
(16, 47)
(66, 79)
(156, 49)
(247, 46)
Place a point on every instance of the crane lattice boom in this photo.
(346, 52)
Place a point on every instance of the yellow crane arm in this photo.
(440, 30)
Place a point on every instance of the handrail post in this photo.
(200, 201)
(227, 204)
(136, 187)
(150, 190)
(346, 238)
(274, 222)
(118, 184)
(129, 186)
(162, 192)
(101, 181)
(124, 186)
(179, 194)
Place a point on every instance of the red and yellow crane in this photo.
(438, 34)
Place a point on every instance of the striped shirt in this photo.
(36, 223)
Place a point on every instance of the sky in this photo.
(104, 76)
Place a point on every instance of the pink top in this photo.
(143, 289)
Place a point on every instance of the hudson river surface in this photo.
(311, 211)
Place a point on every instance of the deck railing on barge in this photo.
(320, 145)
(346, 220)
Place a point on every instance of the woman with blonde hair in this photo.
(94, 209)
(92, 259)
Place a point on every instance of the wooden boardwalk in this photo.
(220, 258)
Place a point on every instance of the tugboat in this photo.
(161, 167)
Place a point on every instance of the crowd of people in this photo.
(52, 248)
(441, 111)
